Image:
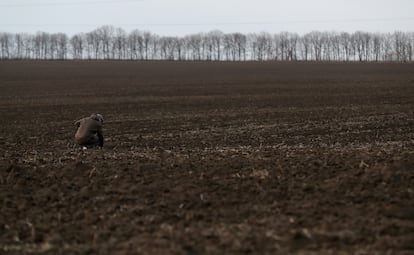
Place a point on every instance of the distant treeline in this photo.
(112, 43)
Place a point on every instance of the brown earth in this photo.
(208, 158)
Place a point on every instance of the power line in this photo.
(45, 4)
(228, 23)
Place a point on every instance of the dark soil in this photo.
(208, 158)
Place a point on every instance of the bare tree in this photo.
(41, 45)
(362, 45)
(62, 50)
(403, 47)
(367, 45)
(284, 45)
(376, 46)
(411, 46)
(136, 44)
(316, 41)
(293, 46)
(240, 41)
(252, 46)
(336, 46)
(276, 45)
(305, 47)
(234, 46)
(77, 45)
(37, 41)
(167, 48)
(28, 44)
(53, 46)
(5, 45)
(388, 50)
(105, 35)
(346, 45)
(216, 39)
(107, 42)
(20, 46)
(326, 46)
(228, 47)
(154, 46)
(119, 46)
(194, 46)
(146, 43)
(264, 46)
(94, 43)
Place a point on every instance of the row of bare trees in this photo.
(108, 42)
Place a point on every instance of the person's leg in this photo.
(91, 144)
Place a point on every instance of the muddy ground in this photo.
(208, 158)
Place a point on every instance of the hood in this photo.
(97, 117)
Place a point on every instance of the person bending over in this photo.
(89, 133)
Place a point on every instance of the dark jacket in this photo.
(89, 131)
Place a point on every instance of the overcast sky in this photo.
(180, 17)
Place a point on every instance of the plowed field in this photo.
(208, 158)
